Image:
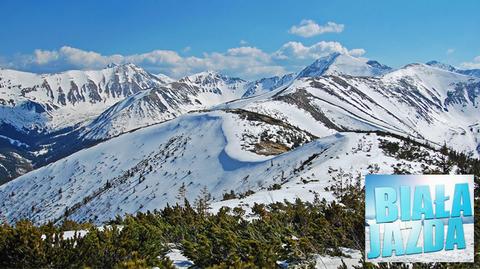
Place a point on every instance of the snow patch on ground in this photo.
(178, 259)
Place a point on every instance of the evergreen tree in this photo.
(203, 201)
(182, 193)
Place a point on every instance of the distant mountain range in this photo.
(467, 72)
(119, 140)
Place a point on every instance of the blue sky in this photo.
(245, 38)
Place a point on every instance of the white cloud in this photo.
(450, 51)
(248, 52)
(241, 61)
(71, 56)
(297, 50)
(45, 56)
(169, 57)
(475, 64)
(243, 42)
(245, 61)
(87, 59)
(357, 52)
(309, 28)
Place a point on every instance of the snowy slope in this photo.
(44, 111)
(164, 78)
(141, 99)
(238, 144)
(222, 151)
(264, 85)
(52, 101)
(418, 100)
(337, 63)
(143, 169)
(161, 103)
(247, 144)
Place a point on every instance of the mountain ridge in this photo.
(338, 63)
(438, 106)
(451, 68)
(298, 133)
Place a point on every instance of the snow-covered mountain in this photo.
(161, 103)
(264, 85)
(128, 98)
(49, 102)
(221, 150)
(337, 63)
(206, 89)
(164, 78)
(451, 68)
(417, 100)
(209, 130)
(42, 111)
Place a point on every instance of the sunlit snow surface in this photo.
(146, 168)
(416, 100)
